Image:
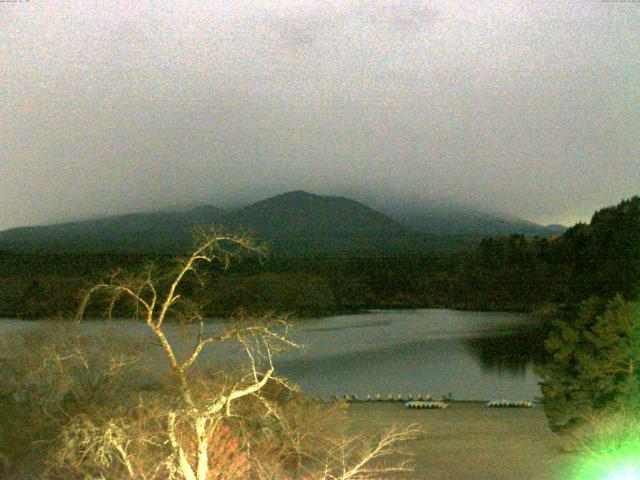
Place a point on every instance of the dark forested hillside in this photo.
(604, 256)
(133, 233)
(503, 273)
(450, 219)
(301, 223)
(593, 342)
(295, 223)
(601, 258)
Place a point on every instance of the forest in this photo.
(512, 273)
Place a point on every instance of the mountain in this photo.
(452, 219)
(299, 211)
(555, 229)
(299, 222)
(295, 223)
(136, 232)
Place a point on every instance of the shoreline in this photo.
(309, 315)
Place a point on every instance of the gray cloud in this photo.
(527, 108)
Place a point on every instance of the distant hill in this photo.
(136, 232)
(299, 222)
(295, 223)
(450, 219)
(302, 212)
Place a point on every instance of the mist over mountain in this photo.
(453, 219)
(296, 222)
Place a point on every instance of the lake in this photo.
(468, 355)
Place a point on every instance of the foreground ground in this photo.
(473, 442)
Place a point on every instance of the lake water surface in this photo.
(470, 355)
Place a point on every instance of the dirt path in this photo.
(472, 442)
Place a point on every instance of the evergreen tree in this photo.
(593, 366)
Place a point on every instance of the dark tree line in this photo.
(594, 343)
(599, 259)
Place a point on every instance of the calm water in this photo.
(470, 355)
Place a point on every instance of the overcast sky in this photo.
(529, 108)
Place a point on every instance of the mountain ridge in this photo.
(296, 222)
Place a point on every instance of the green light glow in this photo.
(621, 462)
(625, 473)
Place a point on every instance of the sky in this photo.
(527, 108)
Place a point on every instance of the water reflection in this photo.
(512, 352)
(473, 355)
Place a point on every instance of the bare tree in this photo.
(154, 306)
(157, 298)
(355, 458)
